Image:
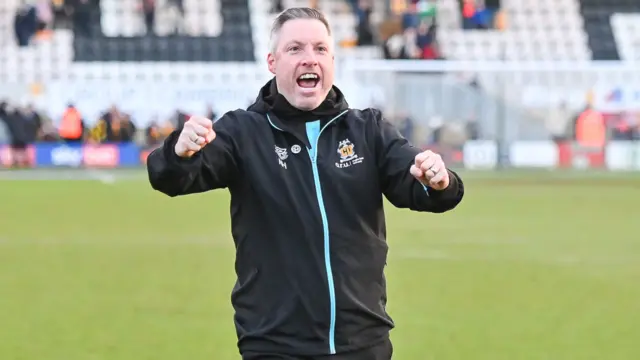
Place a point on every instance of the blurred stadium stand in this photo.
(211, 31)
(482, 70)
(538, 30)
(626, 33)
(603, 28)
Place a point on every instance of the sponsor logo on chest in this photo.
(348, 156)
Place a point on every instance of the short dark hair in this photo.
(293, 14)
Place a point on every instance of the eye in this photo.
(322, 48)
(294, 48)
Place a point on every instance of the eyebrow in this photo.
(296, 42)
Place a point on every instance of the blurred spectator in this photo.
(148, 8)
(353, 4)
(81, 17)
(31, 125)
(626, 127)
(4, 113)
(472, 128)
(113, 126)
(436, 124)
(176, 8)
(48, 132)
(493, 8)
(22, 125)
(453, 135)
(153, 133)
(25, 23)
(364, 30)
(394, 48)
(426, 9)
(72, 125)
(411, 43)
(557, 121)
(590, 129)
(32, 122)
(61, 14)
(156, 132)
(178, 119)
(410, 18)
(121, 130)
(44, 14)
(426, 40)
(406, 126)
(475, 15)
(418, 39)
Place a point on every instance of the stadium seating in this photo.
(597, 15)
(626, 32)
(544, 30)
(213, 31)
(222, 34)
(202, 18)
(7, 13)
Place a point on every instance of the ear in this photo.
(271, 62)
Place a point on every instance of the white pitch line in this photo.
(102, 176)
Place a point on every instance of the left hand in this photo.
(430, 170)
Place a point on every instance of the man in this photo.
(72, 126)
(114, 126)
(307, 177)
(23, 128)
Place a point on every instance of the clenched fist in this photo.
(196, 134)
(430, 170)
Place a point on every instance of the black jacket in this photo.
(307, 217)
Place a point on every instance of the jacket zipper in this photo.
(327, 256)
(313, 155)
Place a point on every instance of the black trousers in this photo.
(381, 351)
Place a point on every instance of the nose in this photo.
(309, 58)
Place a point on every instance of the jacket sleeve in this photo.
(395, 155)
(214, 167)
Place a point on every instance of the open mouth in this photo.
(308, 80)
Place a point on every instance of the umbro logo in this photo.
(282, 156)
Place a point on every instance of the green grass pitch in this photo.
(530, 266)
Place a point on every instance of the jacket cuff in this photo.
(451, 192)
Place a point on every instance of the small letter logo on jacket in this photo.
(282, 156)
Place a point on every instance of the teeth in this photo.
(308, 76)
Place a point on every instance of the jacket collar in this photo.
(283, 115)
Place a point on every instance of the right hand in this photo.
(196, 134)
